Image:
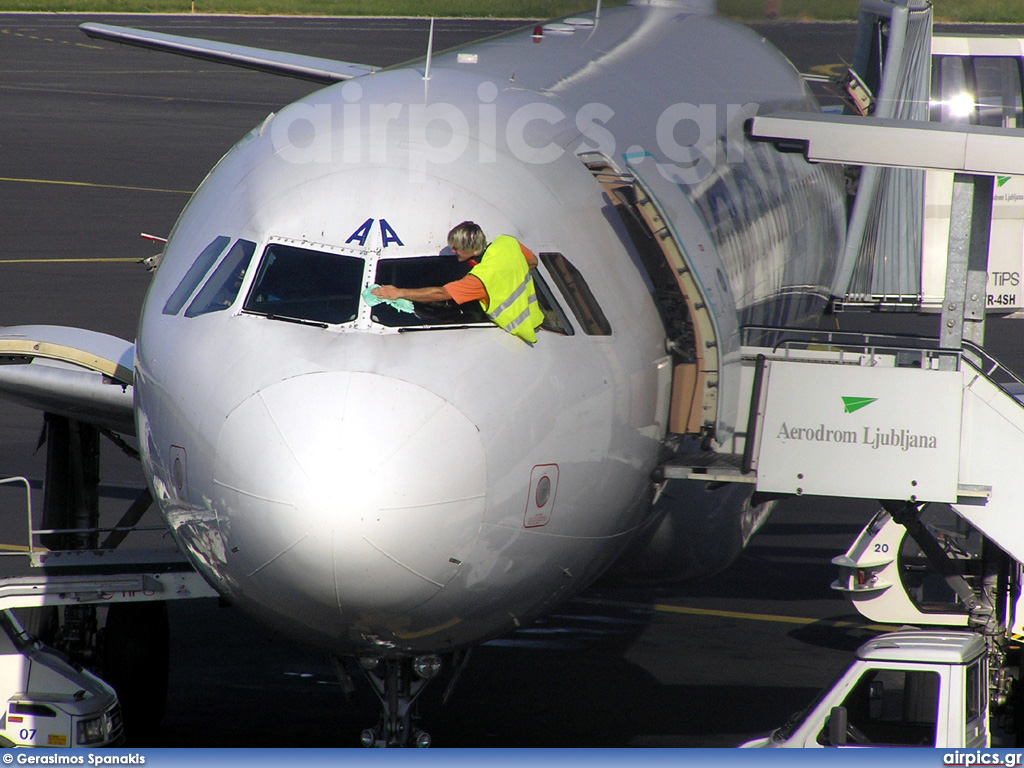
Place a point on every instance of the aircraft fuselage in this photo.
(381, 484)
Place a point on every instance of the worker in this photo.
(500, 281)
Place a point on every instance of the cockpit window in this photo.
(221, 289)
(427, 271)
(195, 275)
(304, 285)
(555, 319)
(577, 293)
(424, 272)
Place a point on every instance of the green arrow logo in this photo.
(1000, 180)
(851, 404)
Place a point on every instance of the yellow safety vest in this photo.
(506, 277)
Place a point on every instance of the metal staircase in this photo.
(32, 575)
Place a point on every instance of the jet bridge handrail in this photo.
(893, 343)
(7, 550)
(867, 342)
(989, 366)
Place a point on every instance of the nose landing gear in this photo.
(398, 684)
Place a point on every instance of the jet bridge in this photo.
(905, 420)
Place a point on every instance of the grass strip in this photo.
(1005, 11)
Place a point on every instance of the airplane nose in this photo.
(347, 493)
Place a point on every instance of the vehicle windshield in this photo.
(797, 718)
(305, 285)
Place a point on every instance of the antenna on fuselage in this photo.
(430, 54)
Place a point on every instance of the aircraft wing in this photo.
(71, 372)
(275, 62)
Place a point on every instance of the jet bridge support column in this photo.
(70, 495)
(963, 308)
(71, 508)
(127, 644)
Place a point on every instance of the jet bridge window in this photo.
(981, 90)
(577, 293)
(195, 275)
(221, 289)
(426, 271)
(306, 286)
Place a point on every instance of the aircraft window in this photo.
(424, 272)
(303, 285)
(195, 275)
(221, 289)
(577, 293)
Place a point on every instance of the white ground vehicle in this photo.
(51, 703)
(919, 688)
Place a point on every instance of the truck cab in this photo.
(49, 701)
(919, 688)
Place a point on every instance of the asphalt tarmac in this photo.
(99, 143)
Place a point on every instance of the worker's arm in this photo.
(390, 292)
(531, 260)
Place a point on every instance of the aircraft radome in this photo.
(397, 488)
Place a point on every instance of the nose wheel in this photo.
(398, 684)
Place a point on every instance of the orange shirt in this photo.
(470, 288)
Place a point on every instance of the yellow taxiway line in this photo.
(799, 620)
(57, 182)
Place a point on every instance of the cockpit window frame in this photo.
(221, 290)
(366, 257)
(213, 260)
(427, 270)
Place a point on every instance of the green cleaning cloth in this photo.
(402, 305)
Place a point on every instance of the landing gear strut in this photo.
(398, 684)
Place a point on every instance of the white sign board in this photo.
(1005, 286)
(860, 432)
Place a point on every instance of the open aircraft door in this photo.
(690, 289)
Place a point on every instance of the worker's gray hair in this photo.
(467, 237)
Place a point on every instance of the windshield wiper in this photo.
(299, 320)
